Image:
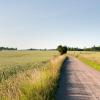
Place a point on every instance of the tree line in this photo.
(7, 48)
(60, 48)
(63, 49)
(94, 48)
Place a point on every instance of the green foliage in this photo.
(62, 49)
(94, 48)
(7, 48)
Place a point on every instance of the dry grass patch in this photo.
(34, 84)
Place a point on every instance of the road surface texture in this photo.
(78, 81)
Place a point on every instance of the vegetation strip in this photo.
(5, 73)
(15, 62)
(90, 62)
(34, 84)
(90, 58)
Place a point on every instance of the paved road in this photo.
(78, 82)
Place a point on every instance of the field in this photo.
(29, 75)
(90, 58)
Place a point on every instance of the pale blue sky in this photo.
(48, 23)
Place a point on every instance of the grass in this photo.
(90, 62)
(90, 58)
(12, 63)
(32, 83)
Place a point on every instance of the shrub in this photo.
(62, 49)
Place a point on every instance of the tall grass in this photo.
(90, 62)
(7, 72)
(90, 58)
(37, 83)
(12, 63)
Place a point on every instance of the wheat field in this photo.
(29, 75)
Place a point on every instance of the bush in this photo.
(62, 49)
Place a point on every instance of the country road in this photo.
(78, 81)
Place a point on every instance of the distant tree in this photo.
(6, 48)
(62, 49)
(59, 48)
(93, 48)
(45, 49)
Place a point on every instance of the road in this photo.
(78, 81)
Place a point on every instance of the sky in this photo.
(48, 23)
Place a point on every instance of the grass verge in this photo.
(89, 62)
(34, 84)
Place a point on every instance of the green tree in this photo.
(62, 49)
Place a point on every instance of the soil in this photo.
(78, 81)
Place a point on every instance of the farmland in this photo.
(91, 58)
(29, 75)
(34, 75)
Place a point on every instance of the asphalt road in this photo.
(78, 81)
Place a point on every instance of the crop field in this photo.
(29, 75)
(91, 58)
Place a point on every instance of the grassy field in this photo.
(90, 58)
(29, 75)
(15, 62)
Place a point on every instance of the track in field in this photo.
(78, 82)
